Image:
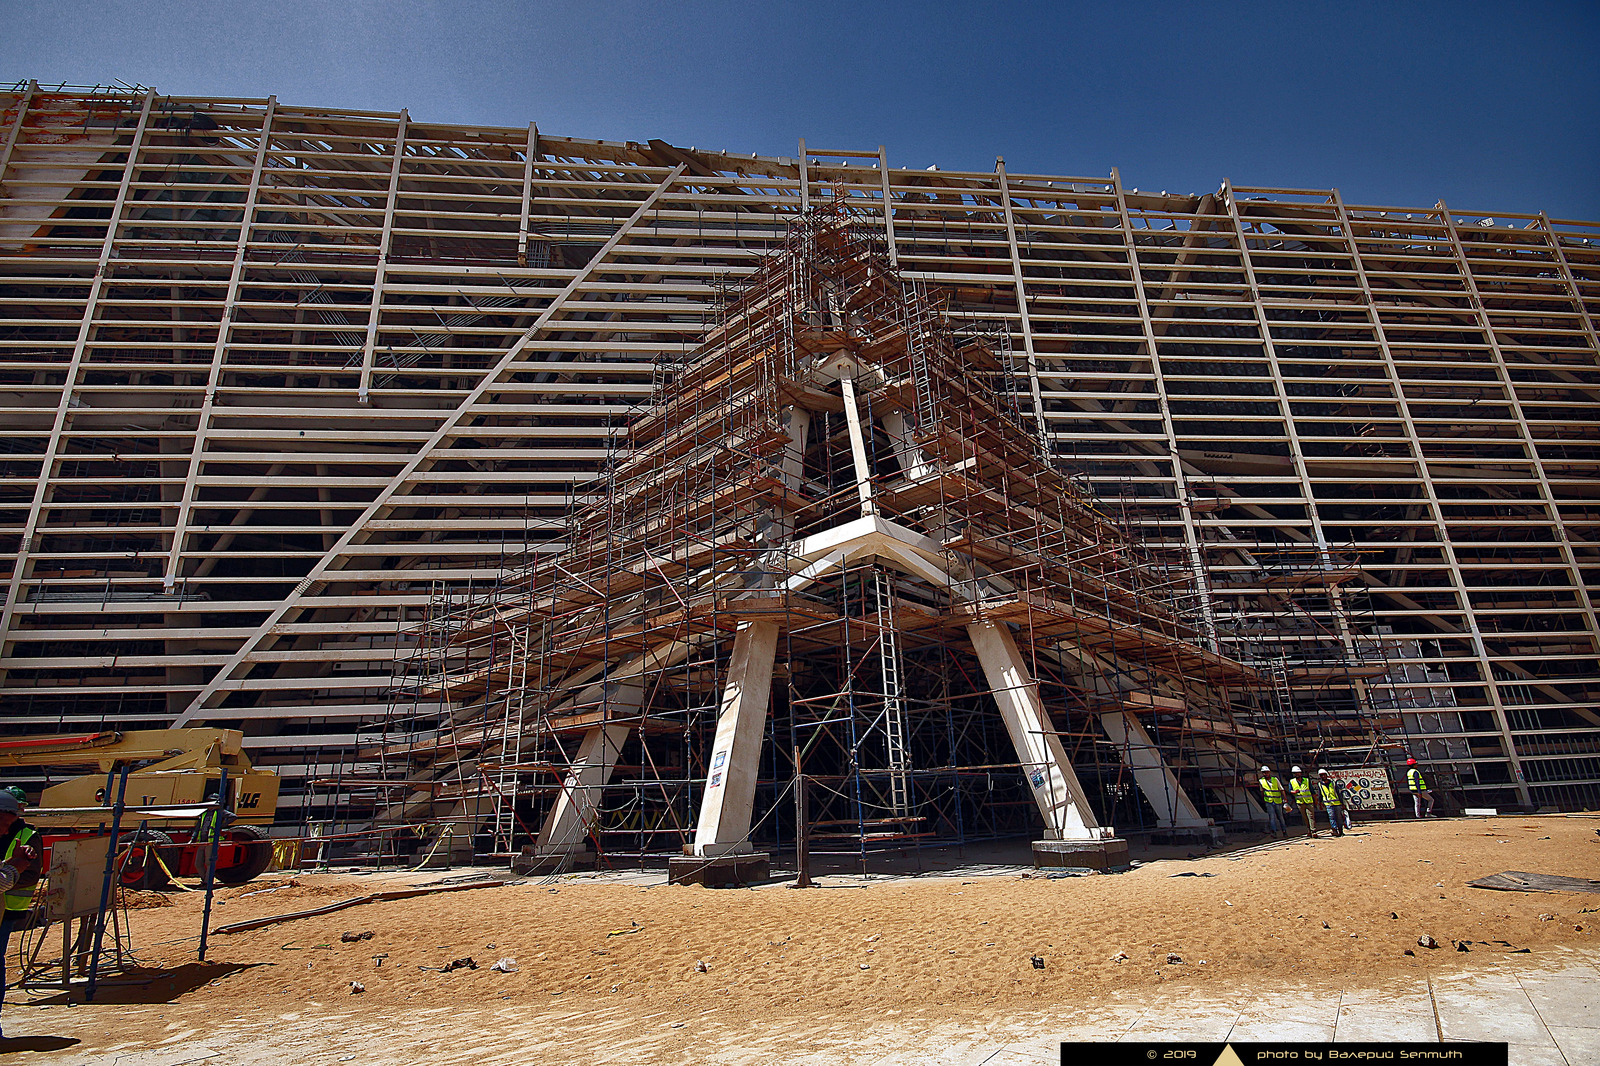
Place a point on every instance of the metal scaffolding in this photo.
(595, 685)
(276, 377)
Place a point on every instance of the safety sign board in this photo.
(1365, 789)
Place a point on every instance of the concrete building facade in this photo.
(279, 380)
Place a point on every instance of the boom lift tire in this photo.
(139, 867)
(257, 854)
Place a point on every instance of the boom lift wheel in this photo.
(139, 867)
(257, 854)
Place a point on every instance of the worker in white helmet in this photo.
(1300, 787)
(1273, 797)
(1333, 801)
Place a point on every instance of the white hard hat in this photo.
(1294, 770)
(1266, 769)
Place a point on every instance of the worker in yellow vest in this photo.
(1417, 785)
(20, 863)
(1272, 796)
(1333, 803)
(1300, 788)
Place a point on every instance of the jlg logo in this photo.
(249, 800)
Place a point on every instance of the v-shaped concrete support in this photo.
(725, 809)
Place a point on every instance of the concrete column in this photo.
(1151, 773)
(729, 800)
(797, 424)
(858, 446)
(566, 827)
(778, 526)
(1044, 761)
(914, 462)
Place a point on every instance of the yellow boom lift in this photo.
(167, 767)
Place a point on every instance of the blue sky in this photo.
(1493, 107)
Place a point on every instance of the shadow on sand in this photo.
(9, 1044)
(142, 985)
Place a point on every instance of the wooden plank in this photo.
(374, 897)
(1522, 881)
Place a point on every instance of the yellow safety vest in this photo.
(1273, 789)
(1302, 790)
(1414, 780)
(1330, 794)
(19, 899)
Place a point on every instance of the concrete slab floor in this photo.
(1578, 1044)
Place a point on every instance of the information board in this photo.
(1365, 789)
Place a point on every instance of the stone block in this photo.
(1103, 855)
(723, 871)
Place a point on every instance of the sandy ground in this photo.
(1301, 912)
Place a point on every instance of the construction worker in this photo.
(1272, 796)
(1333, 803)
(1418, 786)
(1349, 798)
(210, 824)
(1300, 786)
(19, 872)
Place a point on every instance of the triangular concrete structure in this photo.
(834, 480)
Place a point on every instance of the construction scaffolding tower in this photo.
(837, 472)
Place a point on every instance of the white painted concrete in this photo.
(1045, 765)
(725, 809)
(1151, 773)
